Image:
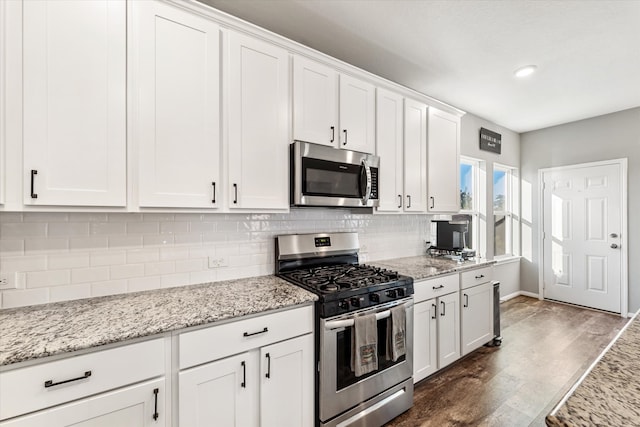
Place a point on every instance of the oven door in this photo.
(325, 176)
(339, 388)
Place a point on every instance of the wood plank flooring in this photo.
(546, 348)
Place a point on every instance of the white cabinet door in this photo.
(415, 156)
(357, 115)
(287, 388)
(315, 102)
(443, 161)
(389, 148)
(477, 317)
(448, 329)
(221, 393)
(141, 405)
(74, 112)
(258, 136)
(176, 84)
(425, 340)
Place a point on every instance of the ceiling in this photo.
(464, 53)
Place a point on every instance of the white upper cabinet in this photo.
(443, 162)
(315, 102)
(258, 116)
(74, 95)
(415, 156)
(176, 86)
(389, 146)
(357, 115)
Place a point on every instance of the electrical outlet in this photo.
(8, 281)
(217, 262)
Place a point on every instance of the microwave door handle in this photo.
(367, 191)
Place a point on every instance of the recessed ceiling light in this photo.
(525, 71)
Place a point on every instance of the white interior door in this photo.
(582, 238)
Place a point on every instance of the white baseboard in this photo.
(516, 294)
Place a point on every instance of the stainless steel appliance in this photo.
(326, 176)
(327, 265)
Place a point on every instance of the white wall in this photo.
(65, 256)
(510, 156)
(605, 137)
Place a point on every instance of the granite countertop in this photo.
(423, 267)
(609, 394)
(44, 330)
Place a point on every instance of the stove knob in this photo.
(374, 297)
(355, 302)
(400, 292)
(344, 304)
(391, 293)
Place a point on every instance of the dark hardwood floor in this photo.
(546, 347)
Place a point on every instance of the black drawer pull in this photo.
(345, 137)
(444, 307)
(155, 410)
(235, 192)
(480, 276)
(243, 384)
(438, 287)
(399, 200)
(435, 310)
(50, 383)
(466, 300)
(249, 334)
(33, 173)
(213, 184)
(333, 133)
(268, 374)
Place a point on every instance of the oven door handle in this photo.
(335, 324)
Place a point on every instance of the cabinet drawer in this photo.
(28, 389)
(476, 277)
(216, 342)
(431, 288)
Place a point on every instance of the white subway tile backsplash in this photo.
(88, 275)
(111, 287)
(74, 255)
(21, 298)
(127, 271)
(50, 278)
(67, 293)
(70, 260)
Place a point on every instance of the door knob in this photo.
(614, 246)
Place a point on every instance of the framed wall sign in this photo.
(490, 141)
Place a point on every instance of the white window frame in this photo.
(475, 212)
(510, 211)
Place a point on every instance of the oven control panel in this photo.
(366, 299)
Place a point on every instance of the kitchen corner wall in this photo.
(65, 256)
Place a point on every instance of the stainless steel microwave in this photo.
(327, 176)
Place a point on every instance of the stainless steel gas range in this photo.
(327, 265)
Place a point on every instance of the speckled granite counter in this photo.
(609, 394)
(423, 267)
(45, 330)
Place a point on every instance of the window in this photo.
(469, 200)
(503, 210)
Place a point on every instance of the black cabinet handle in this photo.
(155, 411)
(345, 137)
(235, 191)
(33, 173)
(435, 311)
(50, 383)
(247, 334)
(213, 200)
(438, 287)
(408, 201)
(444, 306)
(466, 300)
(243, 384)
(268, 374)
(480, 276)
(399, 200)
(333, 133)
(433, 202)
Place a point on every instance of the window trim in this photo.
(508, 212)
(475, 191)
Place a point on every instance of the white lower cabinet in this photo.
(477, 317)
(436, 327)
(269, 386)
(141, 405)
